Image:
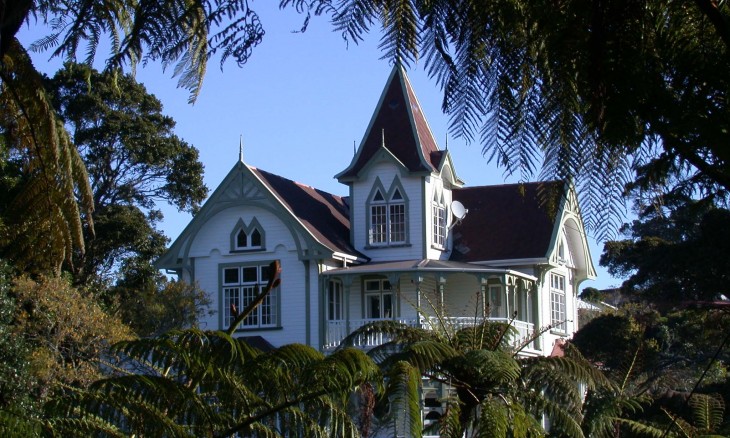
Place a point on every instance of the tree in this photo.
(675, 253)
(495, 392)
(134, 160)
(50, 202)
(67, 331)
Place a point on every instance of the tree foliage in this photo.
(51, 201)
(493, 389)
(134, 161)
(675, 253)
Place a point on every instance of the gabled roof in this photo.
(399, 125)
(506, 222)
(326, 216)
(323, 216)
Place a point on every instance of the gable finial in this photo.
(354, 149)
(240, 148)
(447, 141)
(383, 134)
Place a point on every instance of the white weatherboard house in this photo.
(409, 235)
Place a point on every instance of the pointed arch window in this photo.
(387, 212)
(247, 237)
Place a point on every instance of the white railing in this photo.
(336, 331)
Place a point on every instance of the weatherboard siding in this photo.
(212, 248)
(386, 173)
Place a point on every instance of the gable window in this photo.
(557, 302)
(387, 217)
(378, 299)
(247, 237)
(240, 285)
(439, 222)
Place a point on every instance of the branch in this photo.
(710, 10)
(274, 281)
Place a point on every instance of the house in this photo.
(408, 242)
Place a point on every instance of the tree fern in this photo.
(44, 219)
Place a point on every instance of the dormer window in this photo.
(247, 237)
(387, 216)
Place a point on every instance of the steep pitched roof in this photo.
(505, 222)
(326, 216)
(399, 125)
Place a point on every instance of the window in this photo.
(334, 301)
(495, 302)
(240, 286)
(378, 299)
(387, 216)
(439, 222)
(557, 302)
(247, 237)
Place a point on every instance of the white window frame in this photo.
(558, 305)
(240, 284)
(387, 216)
(379, 289)
(335, 301)
(250, 231)
(438, 238)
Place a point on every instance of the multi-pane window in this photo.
(439, 224)
(241, 285)
(387, 219)
(557, 301)
(378, 299)
(334, 301)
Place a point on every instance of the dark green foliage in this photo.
(209, 384)
(494, 391)
(134, 161)
(15, 376)
(674, 254)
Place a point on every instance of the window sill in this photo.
(396, 245)
(239, 251)
(438, 248)
(258, 329)
(559, 332)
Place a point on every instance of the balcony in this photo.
(336, 331)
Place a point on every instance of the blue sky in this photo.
(299, 104)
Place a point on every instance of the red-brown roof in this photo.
(506, 222)
(325, 215)
(400, 125)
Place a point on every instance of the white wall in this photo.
(211, 248)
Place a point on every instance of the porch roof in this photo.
(425, 265)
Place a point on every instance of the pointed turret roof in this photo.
(398, 125)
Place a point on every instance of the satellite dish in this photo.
(458, 210)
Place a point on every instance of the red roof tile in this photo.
(505, 222)
(399, 124)
(325, 215)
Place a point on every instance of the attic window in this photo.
(241, 239)
(247, 237)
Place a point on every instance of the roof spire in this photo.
(240, 148)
